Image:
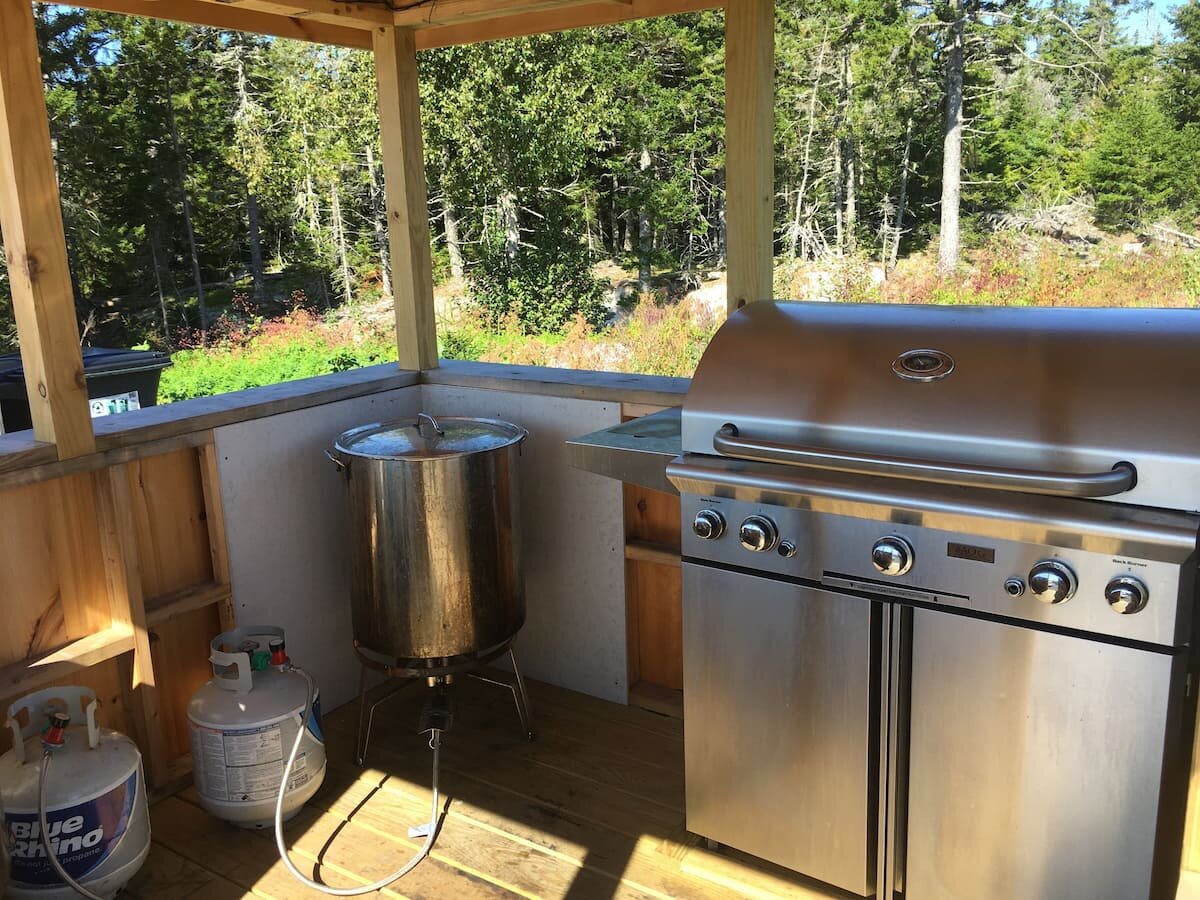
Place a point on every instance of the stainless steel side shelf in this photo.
(636, 451)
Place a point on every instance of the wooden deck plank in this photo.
(521, 866)
(523, 820)
(558, 832)
(167, 874)
(344, 847)
(488, 727)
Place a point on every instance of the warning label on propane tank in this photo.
(244, 764)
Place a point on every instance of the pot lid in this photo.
(428, 438)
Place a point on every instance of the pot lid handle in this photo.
(426, 417)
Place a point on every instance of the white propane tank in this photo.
(242, 724)
(96, 815)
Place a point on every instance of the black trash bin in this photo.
(117, 381)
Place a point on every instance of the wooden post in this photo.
(749, 149)
(406, 195)
(35, 246)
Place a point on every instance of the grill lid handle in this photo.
(1117, 480)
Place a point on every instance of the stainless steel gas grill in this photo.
(939, 574)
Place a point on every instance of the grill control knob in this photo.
(709, 524)
(759, 534)
(1126, 595)
(1052, 582)
(892, 555)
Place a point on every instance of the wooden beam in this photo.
(163, 609)
(445, 12)
(35, 246)
(749, 149)
(559, 18)
(352, 15)
(235, 18)
(407, 198)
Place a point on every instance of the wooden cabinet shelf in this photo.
(32, 674)
(166, 608)
(649, 551)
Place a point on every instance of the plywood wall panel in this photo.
(169, 517)
(659, 611)
(651, 516)
(52, 586)
(179, 649)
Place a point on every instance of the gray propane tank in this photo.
(242, 724)
(96, 815)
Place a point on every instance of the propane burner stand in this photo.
(438, 678)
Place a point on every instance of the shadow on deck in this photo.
(592, 809)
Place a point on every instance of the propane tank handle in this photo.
(222, 661)
(73, 696)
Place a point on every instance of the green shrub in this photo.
(462, 343)
(298, 345)
(542, 289)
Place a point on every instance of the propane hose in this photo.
(45, 833)
(281, 845)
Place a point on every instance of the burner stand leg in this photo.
(366, 717)
(520, 695)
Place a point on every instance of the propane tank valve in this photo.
(55, 734)
(279, 655)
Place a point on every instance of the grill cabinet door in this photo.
(1035, 765)
(779, 723)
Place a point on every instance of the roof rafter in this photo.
(440, 23)
(223, 15)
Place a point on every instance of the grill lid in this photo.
(428, 438)
(1070, 401)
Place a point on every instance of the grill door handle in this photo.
(1120, 478)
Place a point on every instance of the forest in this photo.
(223, 195)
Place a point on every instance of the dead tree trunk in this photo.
(722, 233)
(805, 170)
(645, 231)
(948, 246)
(510, 222)
(851, 221)
(339, 239)
(379, 223)
(153, 236)
(890, 263)
(177, 145)
(257, 272)
(839, 195)
(614, 220)
(453, 237)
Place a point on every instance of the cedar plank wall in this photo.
(653, 593)
(54, 589)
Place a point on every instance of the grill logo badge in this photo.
(923, 365)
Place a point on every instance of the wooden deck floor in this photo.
(592, 809)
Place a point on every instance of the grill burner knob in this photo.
(892, 555)
(758, 534)
(709, 524)
(1126, 595)
(1052, 582)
